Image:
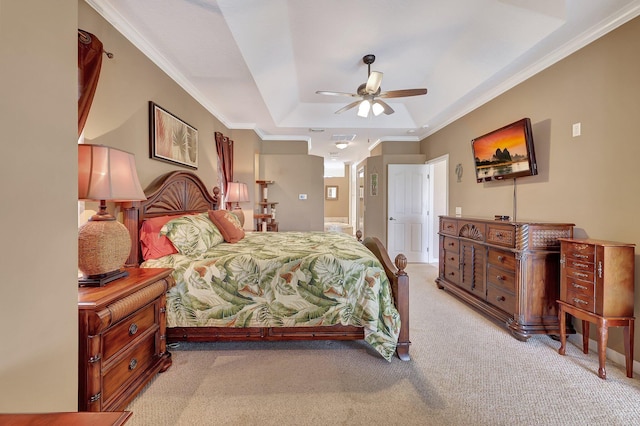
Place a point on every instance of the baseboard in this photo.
(616, 357)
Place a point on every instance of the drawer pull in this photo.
(581, 275)
(500, 277)
(600, 269)
(580, 256)
(500, 299)
(133, 364)
(452, 244)
(133, 329)
(579, 301)
(580, 265)
(449, 226)
(500, 258)
(499, 234)
(452, 258)
(579, 286)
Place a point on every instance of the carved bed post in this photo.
(402, 304)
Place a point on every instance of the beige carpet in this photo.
(465, 370)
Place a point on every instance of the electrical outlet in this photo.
(458, 211)
(576, 129)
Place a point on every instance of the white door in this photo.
(438, 201)
(407, 210)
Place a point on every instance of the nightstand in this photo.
(122, 338)
(597, 286)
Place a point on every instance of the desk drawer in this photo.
(127, 331)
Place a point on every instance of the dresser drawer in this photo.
(585, 289)
(451, 273)
(501, 235)
(579, 274)
(127, 330)
(131, 365)
(502, 259)
(449, 227)
(451, 244)
(579, 265)
(501, 278)
(452, 258)
(502, 299)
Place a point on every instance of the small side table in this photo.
(603, 333)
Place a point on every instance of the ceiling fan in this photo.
(370, 92)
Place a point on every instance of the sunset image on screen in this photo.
(512, 139)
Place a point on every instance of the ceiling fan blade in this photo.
(348, 107)
(402, 93)
(387, 109)
(325, 92)
(373, 82)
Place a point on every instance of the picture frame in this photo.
(374, 184)
(331, 192)
(171, 139)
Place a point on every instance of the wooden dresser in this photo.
(509, 271)
(597, 286)
(122, 338)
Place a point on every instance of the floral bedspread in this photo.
(284, 279)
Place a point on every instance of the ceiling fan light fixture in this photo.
(377, 108)
(363, 109)
(342, 144)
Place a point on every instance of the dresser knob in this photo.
(133, 363)
(500, 277)
(500, 299)
(133, 329)
(500, 258)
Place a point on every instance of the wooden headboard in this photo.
(172, 193)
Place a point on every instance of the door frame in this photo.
(439, 200)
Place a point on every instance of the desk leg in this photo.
(628, 347)
(603, 335)
(585, 336)
(562, 319)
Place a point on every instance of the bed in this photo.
(324, 286)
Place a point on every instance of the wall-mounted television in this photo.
(505, 153)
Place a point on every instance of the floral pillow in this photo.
(228, 224)
(192, 235)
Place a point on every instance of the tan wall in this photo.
(590, 180)
(38, 110)
(119, 116)
(294, 175)
(339, 207)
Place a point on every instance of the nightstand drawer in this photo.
(127, 331)
(131, 365)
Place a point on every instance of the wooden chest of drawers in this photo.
(507, 270)
(122, 338)
(597, 286)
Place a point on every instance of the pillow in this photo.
(192, 235)
(228, 224)
(153, 244)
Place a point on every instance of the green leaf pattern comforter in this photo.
(284, 279)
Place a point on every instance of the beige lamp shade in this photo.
(237, 192)
(104, 244)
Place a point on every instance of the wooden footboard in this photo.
(183, 192)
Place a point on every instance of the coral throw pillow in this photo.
(228, 224)
(153, 244)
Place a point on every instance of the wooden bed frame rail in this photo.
(183, 192)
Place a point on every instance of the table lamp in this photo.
(237, 193)
(105, 174)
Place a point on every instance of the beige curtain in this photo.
(224, 147)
